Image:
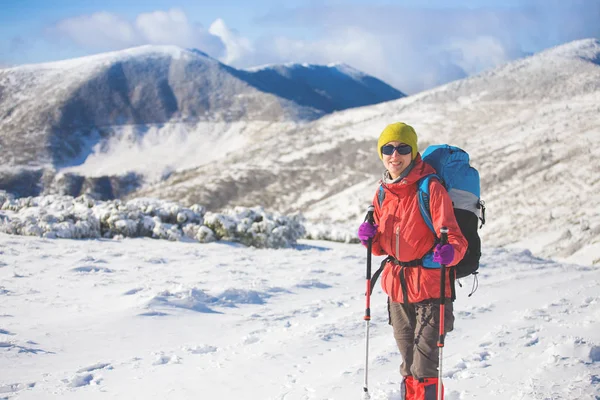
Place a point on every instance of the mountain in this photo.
(55, 114)
(531, 127)
(330, 88)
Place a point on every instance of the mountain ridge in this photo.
(55, 113)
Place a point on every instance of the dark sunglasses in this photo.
(402, 149)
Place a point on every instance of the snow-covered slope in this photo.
(532, 128)
(59, 113)
(152, 319)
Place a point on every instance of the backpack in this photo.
(462, 183)
(452, 168)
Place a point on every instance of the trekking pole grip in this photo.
(444, 235)
(369, 217)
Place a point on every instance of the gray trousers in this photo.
(416, 330)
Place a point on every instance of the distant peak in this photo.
(347, 69)
(342, 67)
(585, 48)
(148, 50)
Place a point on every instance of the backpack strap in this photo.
(424, 207)
(423, 196)
(378, 272)
(380, 195)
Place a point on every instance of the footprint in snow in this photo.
(80, 380)
(204, 349)
(539, 313)
(132, 291)
(312, 284)
(13, 388)
(92, 269)
(472, 312)
(90, 259)
(162, 359)
(156, 260)
(250, 339)
(589, 301)
(23, 349)
(466, 367)
(85, 377)
(95, 367)
(530, 335)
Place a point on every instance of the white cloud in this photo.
(237, 47)
(100, 30)
(106, 31)
(418, 48)
(166, 27)
(411, 48)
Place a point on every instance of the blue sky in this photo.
(412, 44)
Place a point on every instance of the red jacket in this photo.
(403, 234)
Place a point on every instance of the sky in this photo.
(410, 44)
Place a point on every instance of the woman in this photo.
(401, 233)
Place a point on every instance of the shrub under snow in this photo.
(57, 216)
(345, 233)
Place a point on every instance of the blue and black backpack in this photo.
(461, 181)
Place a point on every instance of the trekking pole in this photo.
(443, 241)
(367, 316)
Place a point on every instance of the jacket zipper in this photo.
(402, 271)
(397, 243)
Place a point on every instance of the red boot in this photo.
(407, 390)
(426, 389)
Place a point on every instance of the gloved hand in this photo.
(366, 231)
(443, 254)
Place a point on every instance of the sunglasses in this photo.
(402, 149)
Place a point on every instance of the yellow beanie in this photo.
(399, 132)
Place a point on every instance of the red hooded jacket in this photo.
(403, 234)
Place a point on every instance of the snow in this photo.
(110, 57)
(158, 150)
(142, 318)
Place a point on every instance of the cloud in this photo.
(411, 48)
(173, 27)
(105, 31)
(101, 30)
(237, 48)
(418, 48)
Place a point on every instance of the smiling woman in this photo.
(412, 273)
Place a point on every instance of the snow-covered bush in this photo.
(345, 233)
(57, 216)
(255, 227)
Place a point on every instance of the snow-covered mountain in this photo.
(532, 128)
(55, 113)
